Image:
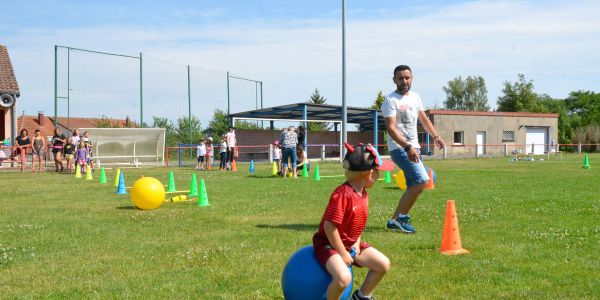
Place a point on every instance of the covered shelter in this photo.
(368, 119)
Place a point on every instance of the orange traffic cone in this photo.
(430, 184)
(233, 166)
(451, 236)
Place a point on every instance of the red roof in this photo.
(31, 123)
(8, 81)
(490, 113)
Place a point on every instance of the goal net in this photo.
(127, 146)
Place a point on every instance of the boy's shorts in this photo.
(69, 156)
(323, 253)
(414, 173)
(200, 158)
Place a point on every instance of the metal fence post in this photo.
(505, 149)
(322, 152)
(445, 153)
(579, 148)
(179, 152)
(270, 153)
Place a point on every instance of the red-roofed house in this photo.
(9, 92)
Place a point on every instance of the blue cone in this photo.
(252, 167)
(121, 188)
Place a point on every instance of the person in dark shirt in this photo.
(22, 142)
(58, 142)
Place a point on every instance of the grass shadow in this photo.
(262, 176)
(296, 227)
(127, 207)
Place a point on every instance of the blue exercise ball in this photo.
(304, 278)
(432, 173)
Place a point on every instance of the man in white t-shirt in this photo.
(401, 110)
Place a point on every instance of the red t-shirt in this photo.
(349, 211)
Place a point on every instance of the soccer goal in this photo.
(127, 146)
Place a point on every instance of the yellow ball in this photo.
(400, 180)
(147, 193)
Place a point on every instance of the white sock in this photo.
(402, 216)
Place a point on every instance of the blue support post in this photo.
(179, 153)
(305, 116)
(427, 142)
(375, 129)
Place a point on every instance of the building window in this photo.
(508, 136)
(459, 137)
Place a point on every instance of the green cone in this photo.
(316, 175)
(304, 171)
(586, 162)
(171, 185)
(102, 178)
(193, 186)
(203, 199)
(388, 177)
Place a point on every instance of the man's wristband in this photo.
(407, 147)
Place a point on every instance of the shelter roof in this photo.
(317, 112)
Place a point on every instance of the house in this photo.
(9, 92)
(67, 125)
(474, 133)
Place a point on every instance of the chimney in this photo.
(41, 118)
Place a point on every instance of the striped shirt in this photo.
(349, 211)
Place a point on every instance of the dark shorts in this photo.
(323, 253)
(56, 150)
(200, 158)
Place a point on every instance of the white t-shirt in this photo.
(406, 110)
(276, 153)
(201, 150)
(223, 146)
(231, 139)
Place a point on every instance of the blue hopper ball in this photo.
(304, 278)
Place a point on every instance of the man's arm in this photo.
(390, 126)
(431, 129)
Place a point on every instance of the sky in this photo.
(293, 47)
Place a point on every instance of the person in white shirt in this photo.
(200, 153)
(223, 153)
(401, 109)
(230, 146)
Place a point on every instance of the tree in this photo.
(316, 98)
(583, 107)
(187, 126)
(171, 139)
(519, 96)
(466, 94)
(219, 124)
(378, 101)
(104, 122)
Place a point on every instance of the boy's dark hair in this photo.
(401, 68)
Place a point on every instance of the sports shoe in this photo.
(401, 224)
(355, 296)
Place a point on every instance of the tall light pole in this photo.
(344, 108)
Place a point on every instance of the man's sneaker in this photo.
(401, 224)
(355, 296)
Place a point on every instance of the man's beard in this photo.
(404, 88)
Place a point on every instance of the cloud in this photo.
(553, 43)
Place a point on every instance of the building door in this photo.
(480, 141)
(536, 140)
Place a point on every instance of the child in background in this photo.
(223, 154)
(200, 154)
(76, 137)
(86, 138)
(343, 222)
(69, 150)
(39, 148)
(209, 153)
(277, 155)
(82, 156)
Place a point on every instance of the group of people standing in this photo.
(289, 154)
(74, 149)
(205, 152)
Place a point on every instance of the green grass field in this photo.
(533, 230)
